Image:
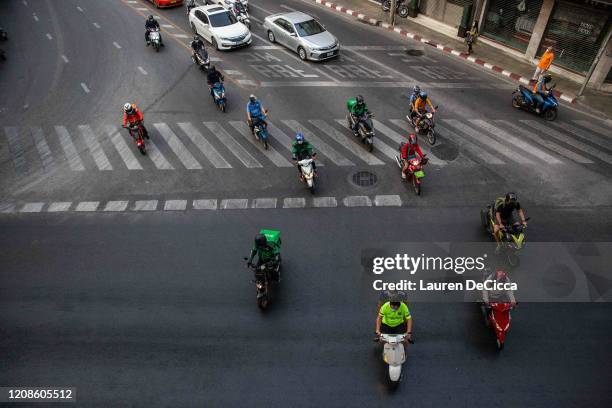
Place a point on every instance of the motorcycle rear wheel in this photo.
(416, 186)
(500, 345)
(431, 137)
(222, 107)
(550, 114)
(142, 150)
(265, 144)
(262, 302)
(517, 102)
(370, 146)
(402, 11)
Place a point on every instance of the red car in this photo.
(166, 3)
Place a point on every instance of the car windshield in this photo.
(222, 19)
(310, 27)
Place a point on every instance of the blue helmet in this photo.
(423, 95)
(299, 137)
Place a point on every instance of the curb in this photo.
(416, 37)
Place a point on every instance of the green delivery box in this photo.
(351, 103)
(273, 237)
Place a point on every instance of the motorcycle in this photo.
(241, 14)
(268, 272)
(522, 98)
(260, 130)
(400, 6)
(307, 172)
(497, 317)
(218, 94)
(243, 3)
(155, 38)
(394, 355)
(137, 133)
(511, 238)
(427, 126)
(415, 170)
(201, 59)
(365, 129)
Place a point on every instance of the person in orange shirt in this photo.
(544, 64)
(133, 116)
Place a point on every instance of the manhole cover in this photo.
(364, 179)
(415, 53)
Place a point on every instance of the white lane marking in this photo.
(246, 82)
(204, 145)
(252, 17)
(544, 142)
(353, 144)
(132, 1)
(234, 204)
(167, 25)
(46, 157)
(324, 202)
(477, 135)
(35, 17)
(6, 208)
(95, 149)
(569, 140)
(595, 128)
(264, 203)
(281, 136)
(96, 25)
(178, 147)
(233, 146)
(180, 36)
(80, 9)
(385, 130)
(145, 205)
(85, 88)
(476, 151)
(503, 135)
(87, 206)
(49, 36)
(266, 47)
(16, 149)
(294, 202)
(142, 9)
(319, 144)
(357, 201)
(175, 205)
(116, 206)
(232, 72)
(379, 145)
(59, 206)
(122, 148)
(32, 207)
(155, 155)
(586, 135)
(69, 150)
(65, 59)
(142, 70)
(205, 204)
(287, 7)
(275, 157)
(388, 201)
(116, 45)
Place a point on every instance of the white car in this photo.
(228, 3)
(219, 27)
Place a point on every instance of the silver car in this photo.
(303, 34)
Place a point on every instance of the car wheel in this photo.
(271, 37)
(214, 44)
(302, 53)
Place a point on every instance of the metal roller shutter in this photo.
(511, 22)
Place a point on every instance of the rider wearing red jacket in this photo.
(132, 116)
(409, 151)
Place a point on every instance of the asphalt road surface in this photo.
(122, 274)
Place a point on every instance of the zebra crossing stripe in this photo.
(594, 127)
(294, 202)
(116, 206)
(178, 147)
(595, 139)
(94, 148)
(205, 204)
(175, 205)
(349, 143)
(87, 206)
(500, 133)
(475, 151)
(274, 156)
(324, 202)
(487, 141)
(74, 161)
(46, 157)
(281, 136)
(319, 144)
(388, 201)
(145, 205)
(59, 206)
(569, 140)
(264, 203)
(233, 146)
(32, 207)
(357, 201)
(204, 145)
(425, 147)
(156, 157)
(379, 145)
(545, 142)
(16, 149)
(234, 204)
(122, 148)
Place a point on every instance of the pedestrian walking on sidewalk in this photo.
(470, 36)
(544, 64)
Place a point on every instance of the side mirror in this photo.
(293, 34)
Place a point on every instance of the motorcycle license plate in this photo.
(419, 174)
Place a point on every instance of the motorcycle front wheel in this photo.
(416, 186)
(386, 5)
(550, 114)
(431, 137)
(516, 102)
(265, 144)
(262, 302)
(402, 11)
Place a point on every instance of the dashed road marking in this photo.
(85, 88)
(388, 201)
(180, 36)
(49, 36)
(65, 58)
(264, 203)
(325, 202)
(167, 25)
(142, 70)
(32, 207)
(205, 204)
(116, 45)
(357, 201)
(294, 202)
(145, 205)
(116, 206)
(234, 204)
(96, 25)
(232, 72)
(87, 206)
(35, 17)
(61, 206)
(80, 9)
(175, 205)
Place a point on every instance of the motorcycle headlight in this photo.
(428, 116)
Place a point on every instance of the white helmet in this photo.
(127, 107)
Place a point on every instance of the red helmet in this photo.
(412, 139)
(500, 275)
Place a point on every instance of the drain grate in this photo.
(415, 53)
(364, 179)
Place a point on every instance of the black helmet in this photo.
(547, 78)
(511, 197)
(359, 100)
(395, 298)
(196, 38)
(151, 17)
(260, 241)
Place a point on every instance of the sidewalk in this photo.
(484, 55)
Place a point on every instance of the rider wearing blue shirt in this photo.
(255, 112)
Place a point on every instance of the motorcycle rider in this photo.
(133, 116)
(499, 296)
(197, 45)
(409, 151)
(255, 112)
(357, 109)
(415, 94)
(212, 77)
(302, 149)
(394, 318)
(540, 91)
(503, 211)
(419, 108)
(265, 252)
(190, 4)
(151, 24)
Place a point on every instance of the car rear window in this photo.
(310, 27)
(222, 19)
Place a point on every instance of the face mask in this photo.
(394, 308)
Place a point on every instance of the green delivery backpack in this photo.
(273, 238)
(350, 104)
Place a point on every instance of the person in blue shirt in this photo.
(255, 112)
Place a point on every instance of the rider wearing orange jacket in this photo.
(133, 116)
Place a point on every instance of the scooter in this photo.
(269, 272)
(522, 98)
(218, 94)
(201, 59)
(394, 355)
(307, 172)
(241, 14)
(512, 238)
(401, 7)
(427, 126)
(415, 172)
(137, 133)
(497, 317)
(365, 129)
(155, 38)
(260, 130)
